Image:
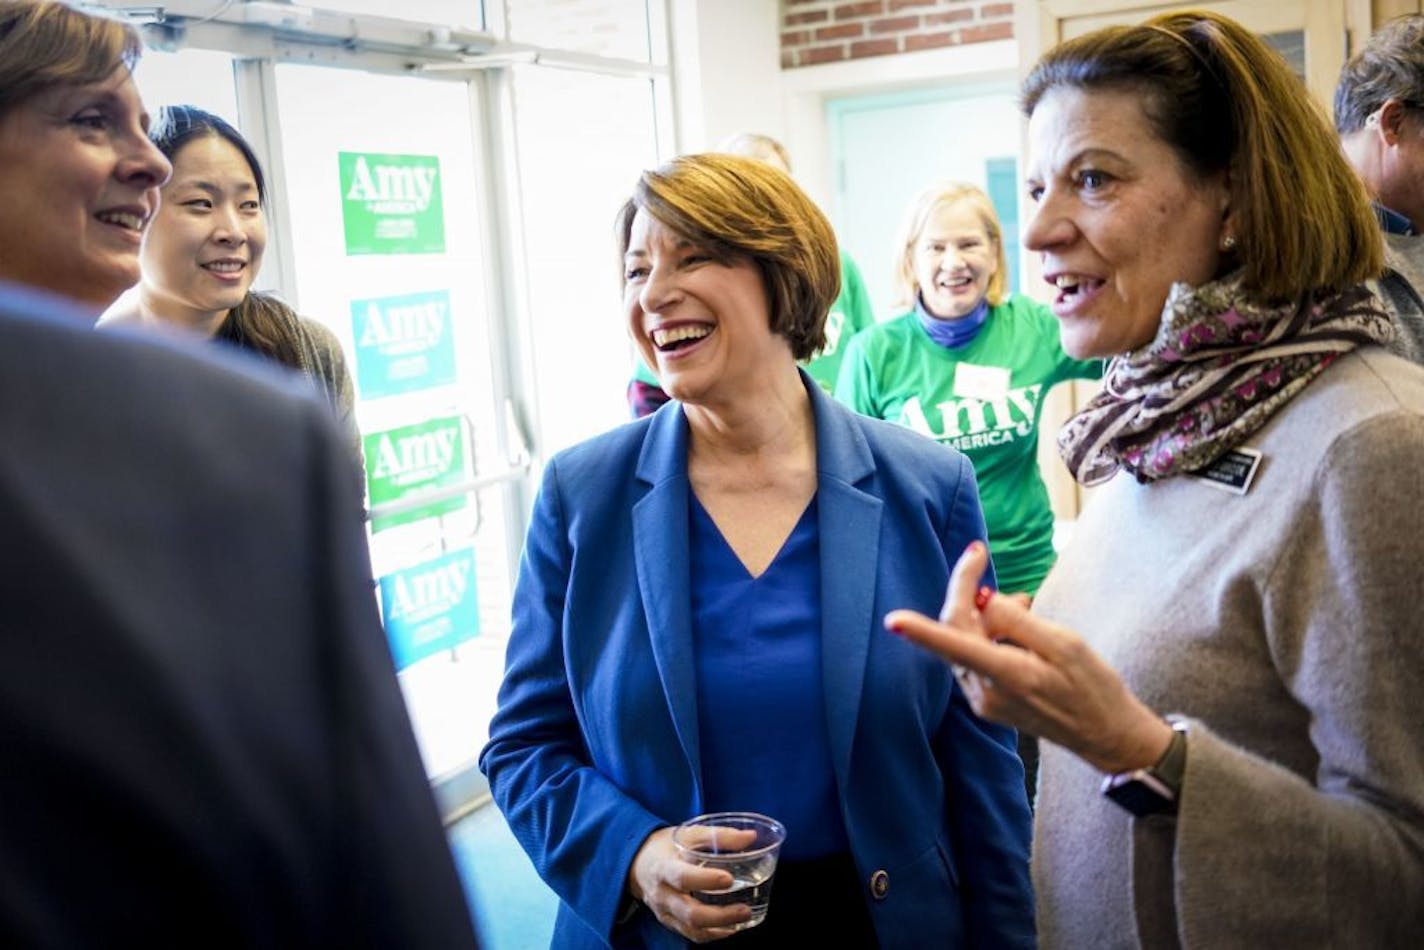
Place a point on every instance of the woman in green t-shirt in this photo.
(969, 366)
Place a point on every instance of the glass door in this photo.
(442, 194)
(384, 215)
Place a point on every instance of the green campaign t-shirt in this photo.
(985, 399)
(849, 314)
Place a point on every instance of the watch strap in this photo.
(1171, 769)
(1153, 790)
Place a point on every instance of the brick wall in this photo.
(833, 31)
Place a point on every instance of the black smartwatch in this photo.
(1153, 791)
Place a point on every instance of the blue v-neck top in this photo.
(760, 698)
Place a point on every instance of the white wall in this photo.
(726, 57)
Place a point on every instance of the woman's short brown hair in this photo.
(44, 43)
(937, 196)
(741, 208)
(1226, 102)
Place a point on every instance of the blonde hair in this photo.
(929, 201)
(44, 43)
(763, 148)
(740, 208)
(1226, 102)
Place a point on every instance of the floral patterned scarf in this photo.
(1217, 371)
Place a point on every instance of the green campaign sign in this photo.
(391, 204)
(403, 463)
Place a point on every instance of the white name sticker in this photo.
(1232, 471)
(980, 382)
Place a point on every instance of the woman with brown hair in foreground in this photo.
(1225, 662)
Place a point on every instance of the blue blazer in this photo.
(595, 742)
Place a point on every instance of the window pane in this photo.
(616, 28)
(192, 77)
(583, 139)
(1291, 46)
(386, 243)
(468, 14)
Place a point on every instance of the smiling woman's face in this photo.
(79, 182)
(1117, 219)
(702, 324)
(205, 245)
(953, 260)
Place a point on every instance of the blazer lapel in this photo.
(660, 546)
(849, 521)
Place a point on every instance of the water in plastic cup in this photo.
(721, 840)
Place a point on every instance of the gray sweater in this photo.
(1285, 624)
(325, 363)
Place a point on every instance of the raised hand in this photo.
(1035, 675)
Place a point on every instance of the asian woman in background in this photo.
(202, 252)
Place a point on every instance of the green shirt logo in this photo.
(992, 421)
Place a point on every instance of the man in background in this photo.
(1379, 113)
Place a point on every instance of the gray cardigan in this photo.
(324, 361)
(1285, 624)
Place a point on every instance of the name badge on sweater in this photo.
(1232, 471)
(980, 382)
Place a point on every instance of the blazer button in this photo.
(879, 885)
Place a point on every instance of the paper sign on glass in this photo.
(391, 204)
(430, 607)
(404, 462)
(403, 344)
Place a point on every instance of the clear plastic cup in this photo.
(744, 844)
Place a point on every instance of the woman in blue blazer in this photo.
(697, 621)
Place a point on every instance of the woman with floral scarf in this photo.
(1226, 662)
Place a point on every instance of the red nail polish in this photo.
(981, 599)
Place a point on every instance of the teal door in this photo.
(886, 148)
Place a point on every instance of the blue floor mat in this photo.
(513, 908)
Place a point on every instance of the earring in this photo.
(1228, 243)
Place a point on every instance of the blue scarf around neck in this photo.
(954, 332)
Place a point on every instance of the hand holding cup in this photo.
(663, 880)
(745, 845)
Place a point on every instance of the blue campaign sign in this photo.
(403, 343)
(430, 607)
